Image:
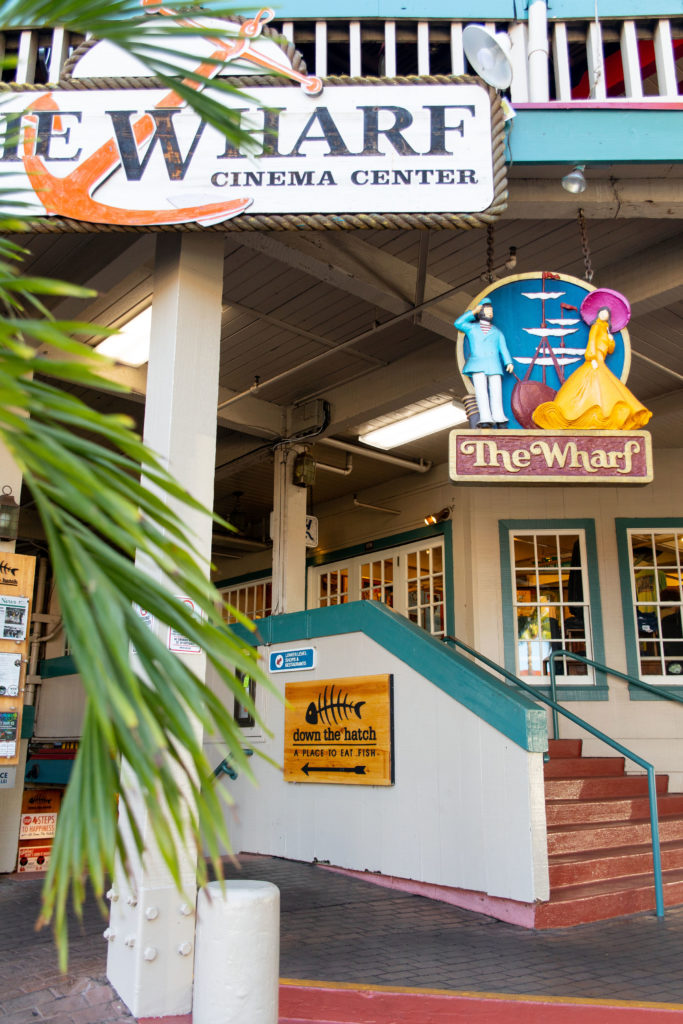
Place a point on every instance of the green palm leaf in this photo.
(102, 497)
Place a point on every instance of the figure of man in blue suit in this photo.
(487, 357)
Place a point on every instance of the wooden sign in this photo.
(340, 731)
(543, 456)
(16, 599)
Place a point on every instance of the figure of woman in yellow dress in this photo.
(592, 398)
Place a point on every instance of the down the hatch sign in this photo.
(340, 731)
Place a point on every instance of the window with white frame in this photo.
(254, 600)
(656, 578)
(409, 579)
(551, 602)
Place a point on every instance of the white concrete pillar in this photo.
(237, 962)
(288, 532)
(151, 932)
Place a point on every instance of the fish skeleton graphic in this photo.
(71, 196)
(334, 706)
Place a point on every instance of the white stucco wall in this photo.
(466, 809)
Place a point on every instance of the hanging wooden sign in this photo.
(16, 596)
(340, 731)
(543, 456)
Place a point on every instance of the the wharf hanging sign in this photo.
(340, 731)
(543, 456)
(128, 157)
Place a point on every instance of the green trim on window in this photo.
(28, 721)
(508, 711)
(580, 691)
(630, 636)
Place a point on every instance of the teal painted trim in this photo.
(511, 713)
(630, 635)
(567, 9)
(589, 691)
(51, 667)
(393, 541)
(498, 10)
(247, 577)
(27, 721)
(596, 136)
(489, 10)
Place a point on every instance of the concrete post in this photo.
(151, 932)
(288, 533)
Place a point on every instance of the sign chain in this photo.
(585, 247)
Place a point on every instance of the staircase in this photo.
(599, 840)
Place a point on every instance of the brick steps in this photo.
(599, 839)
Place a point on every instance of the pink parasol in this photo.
(618, 305)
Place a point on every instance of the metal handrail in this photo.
(624, 751)
(633, 680)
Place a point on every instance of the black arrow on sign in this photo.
(358, 769)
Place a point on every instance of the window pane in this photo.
(551, 609)
(658, 605)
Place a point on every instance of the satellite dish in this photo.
(488, 54)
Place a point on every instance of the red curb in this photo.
(301, 1004)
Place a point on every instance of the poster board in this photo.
(340, 731)
(16, 600)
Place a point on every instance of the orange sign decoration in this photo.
(72, 195)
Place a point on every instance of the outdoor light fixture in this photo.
(575, 182)
(304, 470)
(131, 344)
(438, 517)
(9, 515)
(420, 424)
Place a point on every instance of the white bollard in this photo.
(237, 955)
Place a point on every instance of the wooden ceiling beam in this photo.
(540, 198)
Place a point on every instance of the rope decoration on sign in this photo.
(292, 222)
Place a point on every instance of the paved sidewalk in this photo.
(339, 929)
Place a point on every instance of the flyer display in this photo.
(16, 588)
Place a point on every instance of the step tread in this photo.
(601, 810)
(580, 856)
(579, 767)
(609, 886)
(595, 786)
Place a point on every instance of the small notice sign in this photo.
(340, 731)
(176, 641)
(299, 659)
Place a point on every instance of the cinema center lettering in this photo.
(540, 456)
(402, 148)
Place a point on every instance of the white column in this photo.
(538, 52)
(288, 533)
(151, 932)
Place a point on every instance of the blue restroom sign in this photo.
(299, 659)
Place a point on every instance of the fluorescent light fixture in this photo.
(420, 424)
(131, 344)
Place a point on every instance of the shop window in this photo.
(550, 591)
(333, 587)
(252, 599)
(655, 602)
(409, 578)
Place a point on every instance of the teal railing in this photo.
(557, 709)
